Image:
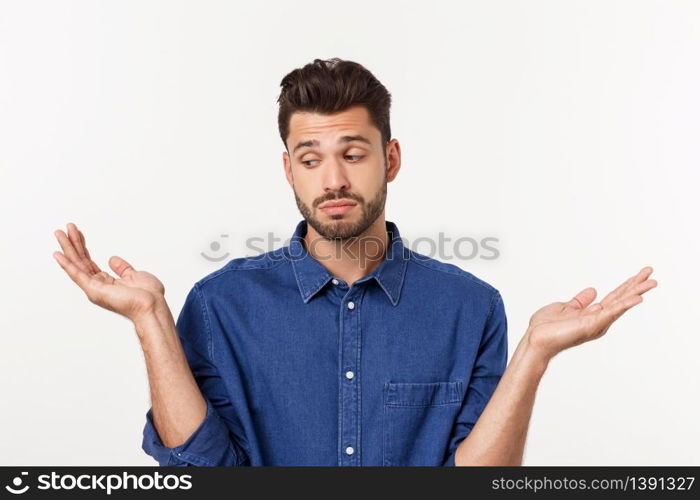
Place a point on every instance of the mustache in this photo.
(339, 196)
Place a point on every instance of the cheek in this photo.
(367, 178)
(370, 183)
(306, 188)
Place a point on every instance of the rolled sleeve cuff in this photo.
(209, 445)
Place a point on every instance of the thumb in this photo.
(120, 266)
(583, 298)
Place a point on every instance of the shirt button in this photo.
(349, 374)
(351, 305)
(349, 450)
(335, 281)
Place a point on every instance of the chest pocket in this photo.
(418, 418)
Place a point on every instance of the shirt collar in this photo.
(311, 276)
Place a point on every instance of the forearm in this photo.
(498, 437)
(177, 402)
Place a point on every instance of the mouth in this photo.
(337, 207)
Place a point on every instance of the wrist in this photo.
(152, 320)
(534, 354)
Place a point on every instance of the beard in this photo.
(340, 228)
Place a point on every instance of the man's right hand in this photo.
(133, 295)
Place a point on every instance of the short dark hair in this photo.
(333, 85)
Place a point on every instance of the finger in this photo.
(120, 266)
(82, 238)
(600, 317)
(583, 298)
(610, 297)
(74, 238)
(76, 274)
(642, 275)
(612, 312)
(642, 287)
(69, 251)
(78, 242)
(94, 267)
(626, 305)
(636, 290)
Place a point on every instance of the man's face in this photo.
(337, 158)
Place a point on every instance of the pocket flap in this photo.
(423, 393)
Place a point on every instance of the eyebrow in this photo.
(343, 139)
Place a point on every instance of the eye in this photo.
(355, 160)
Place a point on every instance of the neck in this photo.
(353, 258)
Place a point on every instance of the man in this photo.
(344, 347)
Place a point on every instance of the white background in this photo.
(568, 130)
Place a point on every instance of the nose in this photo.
(335, 178)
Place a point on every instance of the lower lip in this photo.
(337, 210)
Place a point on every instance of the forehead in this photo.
(305, 124)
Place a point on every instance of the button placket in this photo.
(350, 404)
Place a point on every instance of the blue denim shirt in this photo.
(299, 368)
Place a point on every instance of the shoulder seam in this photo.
(454, 273)
(227, 268)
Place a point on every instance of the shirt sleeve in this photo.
(488, 369)
(214, 442)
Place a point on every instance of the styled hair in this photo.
(333, 85)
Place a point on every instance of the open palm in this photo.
(561, 325)
(132, 294)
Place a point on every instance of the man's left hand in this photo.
(561, 325)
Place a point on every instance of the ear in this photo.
(287, 168)
(393, 162)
